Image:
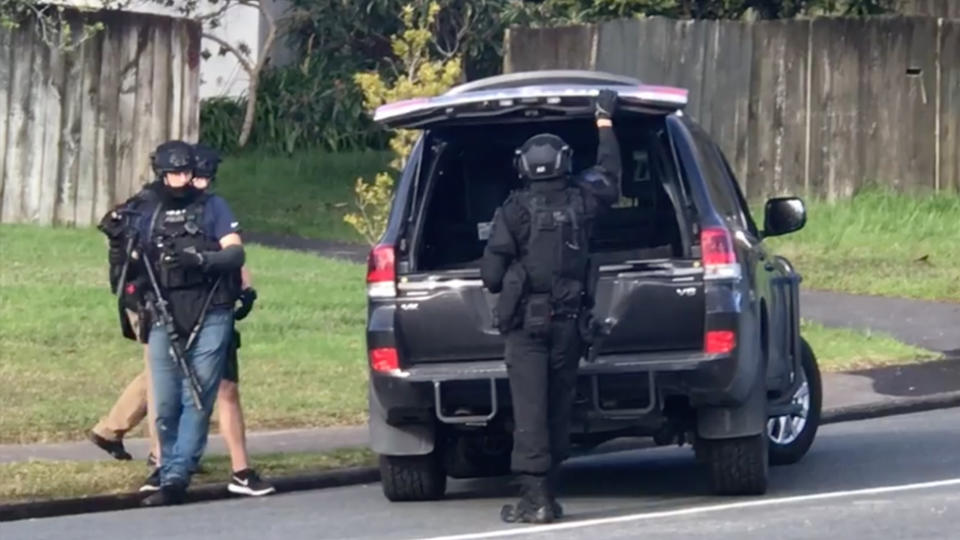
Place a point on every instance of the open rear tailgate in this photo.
(556, 99)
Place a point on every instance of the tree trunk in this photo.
(251, 110)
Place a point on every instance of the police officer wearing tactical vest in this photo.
(537, 258)
(187, 243)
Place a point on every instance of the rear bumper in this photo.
(408, 395)
(616, 363)
(404, 416)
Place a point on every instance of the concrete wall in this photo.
(819, 106)
(219, 75)
(76, 128)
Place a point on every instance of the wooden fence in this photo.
(78, 127)
(935, 8)
(819, 106)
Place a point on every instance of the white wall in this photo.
(222, 75)
(219, 75)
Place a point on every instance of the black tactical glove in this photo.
(605, 104)
(183, 258)
(112, 224)
(247, 297)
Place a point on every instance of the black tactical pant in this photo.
(543, 376)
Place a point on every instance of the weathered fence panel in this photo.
(948, 124)
(777, 124)
(834, 164)
(819, 106)
(78, 125)
(935, 8)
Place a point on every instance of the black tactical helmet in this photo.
(206, 160)
(543, 157)
(172, 156)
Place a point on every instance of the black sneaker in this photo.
(114, 448)
(248, 482)
(165, 496)
(152, 482)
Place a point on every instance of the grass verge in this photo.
(879, 243)
(840, 349)
(63, 361)
(47, 480)
(306, 194)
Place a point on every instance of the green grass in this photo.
(306, 194)
(45, 480)
(63, 361)
(840, 349)
(880, 243)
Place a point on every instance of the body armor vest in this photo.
(179, 229)
(556, 255)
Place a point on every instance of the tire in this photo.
(791, 452)
(738, 466)
(412, 478)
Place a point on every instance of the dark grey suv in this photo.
(705, 346)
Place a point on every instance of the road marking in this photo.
(698, 510)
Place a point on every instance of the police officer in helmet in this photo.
(192, 243)
(537, 258)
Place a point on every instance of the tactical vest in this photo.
(179, 229)
(556, 255)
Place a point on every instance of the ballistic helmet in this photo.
(205, 161)
(172, 156)
(543, 157)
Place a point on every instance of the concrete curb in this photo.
(366, 475)
(891, 407)
(212, 492)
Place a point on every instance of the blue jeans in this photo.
(181, 428)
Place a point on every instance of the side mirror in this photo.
(784, 215)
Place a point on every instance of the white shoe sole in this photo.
(242, 490)
(149, 489)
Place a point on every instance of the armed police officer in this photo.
(537, 258)
(186, 244)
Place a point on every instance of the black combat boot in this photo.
(534, 506)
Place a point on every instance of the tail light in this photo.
(719, 341)
(381, 272)
(718, 255)
(384, 359)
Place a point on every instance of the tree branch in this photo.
(215, 14)
(264, 53)
(458, 36)
(244, 61)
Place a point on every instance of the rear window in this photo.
(474, 174)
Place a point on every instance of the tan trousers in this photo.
(134, 404)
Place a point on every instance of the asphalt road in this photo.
(896, 477)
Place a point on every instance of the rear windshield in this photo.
(463, 183)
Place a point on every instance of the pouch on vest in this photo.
(505, 314)
(125, 327)
(536, 315)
